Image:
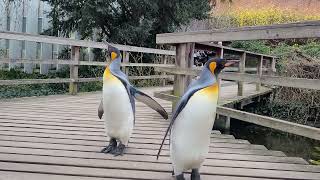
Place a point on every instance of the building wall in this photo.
(31, 10)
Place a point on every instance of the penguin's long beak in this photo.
(231, 62)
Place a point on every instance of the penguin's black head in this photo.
(216, 65)
(114, 52)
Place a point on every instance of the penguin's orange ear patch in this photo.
(212, 66)
(113, 55)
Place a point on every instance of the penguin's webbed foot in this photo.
(195, 175)
(118, 151)
(111, 147)
(180, 177)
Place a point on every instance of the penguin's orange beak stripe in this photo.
(113, 55)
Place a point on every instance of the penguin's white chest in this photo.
(118, 113)
(190, 135)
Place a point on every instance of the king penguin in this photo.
(192, 121)
(118, 105)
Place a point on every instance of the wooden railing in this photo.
(186, 42)
(75, 62)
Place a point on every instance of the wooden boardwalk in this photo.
(59, 137)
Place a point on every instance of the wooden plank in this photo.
(156, 167)
(148, 150)
(285, 126)
(134, 150)
(137, 137)
(209, 162)
(136, 134)
(308, 29)
(12, 175)
(98, 140)
(218, 137)
(80, 43)
(104, 172)
(102, 140)
(82, 171)
(95, 137)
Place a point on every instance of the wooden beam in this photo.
(82, 43)
(130, 78)
(67, 80)
(274, 80)
(34, 81)
(195, 71)
(82, 63)
(285, 126)
(151, 77)
(309, 29)
(217, 47)
(74, 69)
(268, 80)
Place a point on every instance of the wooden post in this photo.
(164, 60)
(242, 66)
(55, 55)
(259, 72)
(75, 54)
(7, 53)
(125, 60)
(43, 67)
(184, 54)
(273, 66)
(26, 67)
(221, 55)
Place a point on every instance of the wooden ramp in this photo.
(59, 137)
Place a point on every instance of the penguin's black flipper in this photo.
(140, 96)
(100, 110)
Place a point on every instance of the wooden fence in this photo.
(186, 42)
(75, 62)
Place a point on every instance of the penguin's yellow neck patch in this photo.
(107, 75)
(113, 55)
(210, 91)
(212, 66)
